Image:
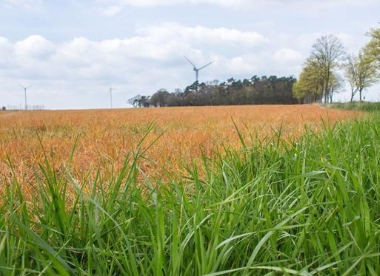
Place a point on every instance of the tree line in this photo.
(256, 90)
(323, 74)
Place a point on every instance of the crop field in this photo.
(104, 138)
(237, 190)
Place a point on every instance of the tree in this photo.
(361, 73)
(327, 55)
(144, 101)
(336, 85)
(350, 72)
(310, 85)
(134, 101)
(372, 49)
(160, 98)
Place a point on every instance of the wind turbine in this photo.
(111, 89)
(198, 69)
(25, 88)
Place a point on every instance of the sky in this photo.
(70, 52)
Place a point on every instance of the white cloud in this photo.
(34, 47)
(25, 4)
(241, 66)
(288, 56)
(110, 11)
(200, 34)
(6, 49)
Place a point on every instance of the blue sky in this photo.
(71, 51)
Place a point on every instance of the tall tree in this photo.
(372, 49)
(350, 73)
(361, 73)
(134, 101)
(310, 84)
(160, 98)
(327, 55)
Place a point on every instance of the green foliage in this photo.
(275, 207)
(319, 79)
(372, 49)
(361, 73)
(310, 84)
(361, 106)
(264, 90)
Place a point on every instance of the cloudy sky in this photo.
(71, 51)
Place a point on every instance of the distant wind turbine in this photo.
(25, 88)
(111, 89)
(198, 69)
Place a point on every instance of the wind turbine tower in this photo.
(26, 101)
(111, 89)
(198, 69)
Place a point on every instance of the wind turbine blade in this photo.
(190, 62)
(206, 65)
(25, 87)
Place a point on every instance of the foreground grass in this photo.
(310, 207)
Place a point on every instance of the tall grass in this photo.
(307, 207)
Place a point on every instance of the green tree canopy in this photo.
(327, 55)
(318, 79)
(372, 49)
(361, 72)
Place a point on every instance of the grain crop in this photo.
(103, 138)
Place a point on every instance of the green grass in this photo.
(361, 106)
(308, 207)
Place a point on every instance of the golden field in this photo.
(104, 138)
